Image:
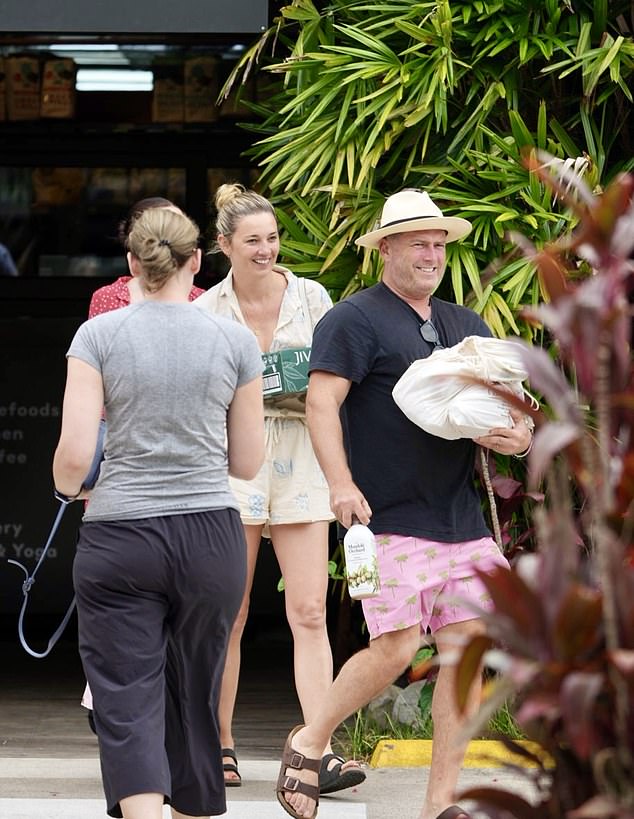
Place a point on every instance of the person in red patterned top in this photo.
(126, 290)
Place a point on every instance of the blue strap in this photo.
(88, 483)
(26, 588)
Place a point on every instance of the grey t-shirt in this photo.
(170, 372)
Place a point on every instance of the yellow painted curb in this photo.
(481, 753)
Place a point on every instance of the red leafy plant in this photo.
(561, 635)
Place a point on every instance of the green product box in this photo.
(286, 371)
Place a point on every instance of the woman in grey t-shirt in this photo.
(160, 564)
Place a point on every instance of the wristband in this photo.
(66, 498)
(531, 426)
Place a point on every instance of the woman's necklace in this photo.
(261, 316)
(251, 322)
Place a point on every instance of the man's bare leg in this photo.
(448, 748)
(363, 676)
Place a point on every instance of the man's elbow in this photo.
(319, 409)
(313, 406)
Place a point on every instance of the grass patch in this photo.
(358, 736)
(503, 722)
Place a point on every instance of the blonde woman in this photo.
(288, 500)
(122, 292)
(161, 559)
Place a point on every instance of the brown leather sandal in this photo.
(454, 812)
(298, 762)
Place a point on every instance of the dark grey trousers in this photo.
(156, 600)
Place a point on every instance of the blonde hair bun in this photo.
(162, 240)
(227, 193)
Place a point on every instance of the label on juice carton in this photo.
(285, 371)
(362, 572)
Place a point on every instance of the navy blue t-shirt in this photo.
(416, 483)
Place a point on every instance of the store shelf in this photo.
(76, 145)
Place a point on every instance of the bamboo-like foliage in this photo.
(371, 97)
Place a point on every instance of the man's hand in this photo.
(509, 440)
(347, 502)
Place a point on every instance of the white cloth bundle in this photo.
(433, 394)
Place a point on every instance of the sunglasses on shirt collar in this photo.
(429, 332)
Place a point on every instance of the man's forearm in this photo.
(326, 435)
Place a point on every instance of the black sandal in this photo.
(335, 779)
(232, 767)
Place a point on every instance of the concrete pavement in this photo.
(53, 788)
(49, 767)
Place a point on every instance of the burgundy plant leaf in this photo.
(510, 497)
(601, 807)
(503, 630)
(598, 314)
(623, 236)
(625, 486)
(500, 804)
(577, 631)
(604, 214)
(556, 318)
(624, 593)
(521, 751)
(469, 667)
(506, 487)
(549, 441)
(547, 378)
(559, 559)
(514, 670)
(517, 602)
(574, 698)
(623, 660)
(579, 693)
(538, 706)
(596, 310)
(553, 275)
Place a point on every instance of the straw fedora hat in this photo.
(413, 210)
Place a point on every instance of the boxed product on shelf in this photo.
(201, 89)
(22, 76)
(168, 96)
(57, 186)
(108, 185)
(58, 89)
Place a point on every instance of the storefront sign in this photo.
(32, 377)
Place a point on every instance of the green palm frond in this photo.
(372, 97)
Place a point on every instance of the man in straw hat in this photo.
(415, 490)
